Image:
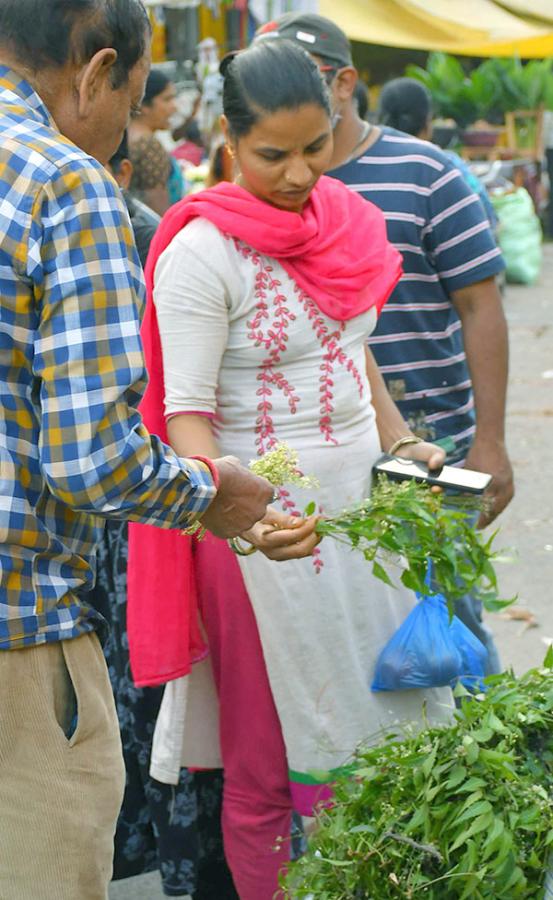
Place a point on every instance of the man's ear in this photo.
(344, 82)
(93, 77)
(124, 176)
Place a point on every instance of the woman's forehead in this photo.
(303, 123)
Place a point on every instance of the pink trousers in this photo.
(257, 806)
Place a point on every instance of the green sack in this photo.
(519, 235)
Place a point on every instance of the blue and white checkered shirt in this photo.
(73, 450)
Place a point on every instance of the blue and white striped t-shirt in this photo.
(442, 232)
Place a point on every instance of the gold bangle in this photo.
(402, 442)
(237, 548)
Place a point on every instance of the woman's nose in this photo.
(298, 172)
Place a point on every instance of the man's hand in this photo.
(281, 537)
(491, 457)
(240, 502)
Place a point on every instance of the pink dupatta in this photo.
(337, 251)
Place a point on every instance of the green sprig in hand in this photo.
(400, 528)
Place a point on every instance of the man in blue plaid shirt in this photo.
(73, 450)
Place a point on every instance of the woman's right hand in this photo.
(281, 536)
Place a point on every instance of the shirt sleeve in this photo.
(193, 317)
(457, 235)
(95, 453)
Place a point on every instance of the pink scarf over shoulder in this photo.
(337, 251)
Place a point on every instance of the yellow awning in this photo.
(529, 48)
(540, 10)
(465, 27)
(386, 22)
(492, 21)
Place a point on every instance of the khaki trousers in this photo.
(61, 774)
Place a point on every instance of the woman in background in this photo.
(157, 179)
(406, 105)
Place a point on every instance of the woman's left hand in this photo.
(280, 536)
(430, 454)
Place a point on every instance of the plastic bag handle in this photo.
(429, 572)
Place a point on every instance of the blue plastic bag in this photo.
(474, 655)
(429, 650)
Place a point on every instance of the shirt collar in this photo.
(17, 93)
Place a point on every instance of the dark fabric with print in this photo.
(144, 223)
(150, 163)
(174, 828)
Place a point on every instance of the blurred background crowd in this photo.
(489, 97)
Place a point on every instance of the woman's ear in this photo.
(223, 122)
(93, 78)
(229, 141)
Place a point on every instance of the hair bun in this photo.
(226, 61)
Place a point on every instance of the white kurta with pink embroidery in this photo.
(242, 341)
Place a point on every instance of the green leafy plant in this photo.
(514, 85)
(402, 526)
(496, 86)
(446, 80)
(455, 813)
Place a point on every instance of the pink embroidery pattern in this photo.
(272, 335)
(268, 328)
(334, 354)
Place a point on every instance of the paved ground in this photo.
(527, 525)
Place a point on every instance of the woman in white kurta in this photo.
(251, 358)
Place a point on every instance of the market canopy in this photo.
(467, 27)
(540, 9)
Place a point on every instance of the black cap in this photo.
(317, 35)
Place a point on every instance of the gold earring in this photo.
(230, 151)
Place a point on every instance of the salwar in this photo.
(257, 805)
(61, 772)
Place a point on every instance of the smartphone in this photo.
(448, 477)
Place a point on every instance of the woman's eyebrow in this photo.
(266, 148)
(317, 140)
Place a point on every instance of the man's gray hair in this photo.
(49, 33)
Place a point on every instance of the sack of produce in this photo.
(519, 235)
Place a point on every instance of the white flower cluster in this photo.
(280, 467)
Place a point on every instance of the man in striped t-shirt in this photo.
(441, 341)
(449, 263)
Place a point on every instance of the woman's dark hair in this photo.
(267, 77)
(50, 33)
(192, 133)
(156, 83)
(405, 104)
